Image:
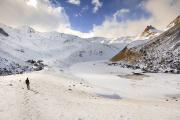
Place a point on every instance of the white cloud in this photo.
(40, 14)
(75, 32)
(162, 13)
(32, 3)
(97, 4)
(120, 13)
(43, 16)
(111, 28)
(75, 2)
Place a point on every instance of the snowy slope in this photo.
(159, 54)
(55, 49)
(150, 32)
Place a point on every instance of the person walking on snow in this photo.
(27, 83)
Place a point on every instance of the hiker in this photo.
(27, 83)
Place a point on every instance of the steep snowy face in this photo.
(150, 31)
(161, 53)
(55, 49)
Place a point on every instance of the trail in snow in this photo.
(62, 97)
(27, 101)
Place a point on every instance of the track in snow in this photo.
(51, 99)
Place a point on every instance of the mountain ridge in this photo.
(159, 54)
(57, 50)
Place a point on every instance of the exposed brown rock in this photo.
(175, 22)
(148, 31)
(127, 55)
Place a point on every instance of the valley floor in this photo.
(90, 91)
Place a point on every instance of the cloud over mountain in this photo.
(39, 14)
(44, 15)
(161, 13)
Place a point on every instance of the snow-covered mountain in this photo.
(55, 49)
(25, 49)
(150, 31)
(161, 53)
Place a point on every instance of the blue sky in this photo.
(82, 17)
(90, 18)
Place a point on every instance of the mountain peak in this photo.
(174, 22)
(149, 31)
(149, 27)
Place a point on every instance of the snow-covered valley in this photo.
(71, 78)
(127, 83)
(88, 94)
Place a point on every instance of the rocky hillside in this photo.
(174, 22)
(159, 54)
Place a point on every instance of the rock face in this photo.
(159, 54)
(174, 22)
(3, 32)
(149, 31)
(128, 55)
(8, 67)
(163, 52)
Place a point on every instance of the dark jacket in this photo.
(27, 81)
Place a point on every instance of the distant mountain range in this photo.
(25, 49)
